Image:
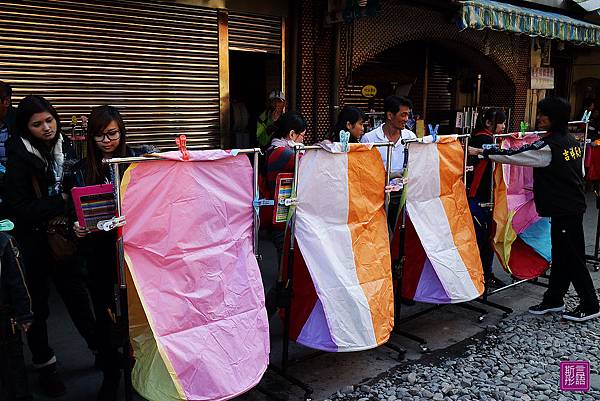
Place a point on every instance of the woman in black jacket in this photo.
(106, 138)
(35, 164)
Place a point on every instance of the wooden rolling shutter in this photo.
(255, 33)
(157, 62)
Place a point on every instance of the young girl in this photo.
(34, 196)
(479, 187)
(350, 119)
(106, 138)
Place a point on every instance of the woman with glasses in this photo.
(106, 138)
(36, 198)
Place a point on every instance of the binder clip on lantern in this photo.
(433, 131)
(6, 225)
(345, 140)
(487, 146)
(523, 127)
(181, 142)
(288, 201)
(586, 116)
(108, 225)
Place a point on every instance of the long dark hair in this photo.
(496, 116)
(348, 115)
(99, 119)
(28, 106)
(287, 122)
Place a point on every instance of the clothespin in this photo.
(523, 127)
(433, 131)
(6, 225)
(181, 144)
(586, 116)
(107, 225)
(74, 120)
(345, 140)
(288, 201)
(258, 203)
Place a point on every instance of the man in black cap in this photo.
(558, 193)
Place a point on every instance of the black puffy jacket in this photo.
(13, 288)
(29, 213)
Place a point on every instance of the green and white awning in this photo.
(589, 5)
(481, 14)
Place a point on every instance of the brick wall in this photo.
(316, 55)
(502, 57)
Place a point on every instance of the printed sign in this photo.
(459, 120)
(283, 191)
(369, 91)
(542, 78)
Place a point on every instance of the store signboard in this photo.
(369, 91)
(542, 78)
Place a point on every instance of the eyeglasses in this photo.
(111, 135)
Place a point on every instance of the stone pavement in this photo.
(518, 359)
(451, 333)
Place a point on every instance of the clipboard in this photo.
(283, 190)
(93, 204)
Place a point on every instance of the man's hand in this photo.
(396, 184)
(475, 151)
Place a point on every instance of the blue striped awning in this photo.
(481, 14)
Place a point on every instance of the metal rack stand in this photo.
(402, 213)
(121, 290)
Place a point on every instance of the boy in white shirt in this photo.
(397, 112)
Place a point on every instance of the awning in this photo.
(480, 14)
(588, 5)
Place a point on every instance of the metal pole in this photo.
(387, 176)
(492, 183)
(157, 156)
(120, 250)
(256, 221)
(585, 136)
(478, 94)
(597, 242)
(290, 266)
(426, 82)
(466, 159)
(122, 309)
(520, 133)
(421, 140)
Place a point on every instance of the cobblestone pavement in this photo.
(519, 350)
(517, 359)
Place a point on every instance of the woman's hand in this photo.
(65, 196)
(475, 151)
(80, 232)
